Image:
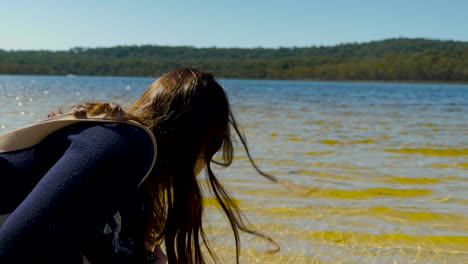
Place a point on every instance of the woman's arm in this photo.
(102, 167)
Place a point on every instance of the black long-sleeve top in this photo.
(62, 192)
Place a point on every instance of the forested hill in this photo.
(392, 59)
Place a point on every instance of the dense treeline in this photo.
(393, 59)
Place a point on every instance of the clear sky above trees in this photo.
(63, 24)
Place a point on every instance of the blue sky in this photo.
(63, 24)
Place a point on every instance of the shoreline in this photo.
(250, 79)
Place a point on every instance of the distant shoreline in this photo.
(391, 60)
(249, 79)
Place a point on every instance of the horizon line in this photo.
(237, 47)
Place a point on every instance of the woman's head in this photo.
(189, 113)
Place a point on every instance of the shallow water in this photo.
(380, 169)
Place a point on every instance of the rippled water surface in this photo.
(380, 169)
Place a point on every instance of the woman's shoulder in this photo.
(114, 131)
(104, 139)
(110, 135)
(121, 145)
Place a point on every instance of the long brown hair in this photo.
(190, 116)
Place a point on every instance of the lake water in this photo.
(382, 167)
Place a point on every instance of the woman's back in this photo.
(67, 187)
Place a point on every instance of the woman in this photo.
(93, 184)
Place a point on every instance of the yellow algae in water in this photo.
(431, 151)
(314, 153)
(312, 172)
(357, 141)
(296, 139)
(441, 165)
(427, 124)
(330, 142)
(305, 171)
(273, 134)
(455, 178)
(284, 162)
(452, 221)
(443, 199)
(320, 164)
(290, 212)
(410, 180)
(363, 141)
(367, 193)
(451, 165)
(391, 239)
(384, 211)
(320, 122)
(325, 174)
(406, 215)
(239, 157)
